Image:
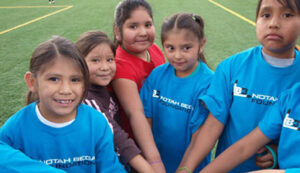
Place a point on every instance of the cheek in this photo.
(168, 56)
(81, 89)
(259, 33)
(92, 68)
(113, 68)
(128, 37)
(152, 34)
(297, 28)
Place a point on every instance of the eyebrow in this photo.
(269, 8)
(59, 75)
(132, 23)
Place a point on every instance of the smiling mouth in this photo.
(64, 101)
(103, 76)
(142, 41)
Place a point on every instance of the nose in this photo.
(104, 66)
(65, 88)
(143, 31)
(274, 22)
(177, 54)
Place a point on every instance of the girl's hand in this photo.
(266, 160)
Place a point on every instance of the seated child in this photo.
(55, 128)
(99, 54)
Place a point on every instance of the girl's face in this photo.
(277, 29)
(60, 87)
(182, 50)
(101, 64)
(137, 33)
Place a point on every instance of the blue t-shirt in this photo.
(86, 145)
(284, 121)
(14, 161)
(176, 113)
(243, 89)
(292, 170)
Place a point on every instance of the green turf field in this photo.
(25, 24)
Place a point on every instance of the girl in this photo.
(136, 57)
(247, 85)
(169, 95)
(56, 129)
(99, 52)
(281, 122)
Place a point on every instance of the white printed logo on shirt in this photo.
(255, 98)
(291, 123)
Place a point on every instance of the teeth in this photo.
(64, 101)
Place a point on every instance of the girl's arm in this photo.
(129, 152)
(202, 143)
(238, 152)
(13, 160)
(128, 96)
(150, 122)
(140, 164)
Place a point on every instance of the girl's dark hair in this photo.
(288, 3)
(187, 21)
(89, 40)
(124, 9)
(47, 52)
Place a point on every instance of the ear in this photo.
(30, 80)
(117, 33)
(202, 44)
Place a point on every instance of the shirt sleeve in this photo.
(146, 95)
(13, 160)
(198, 116)
(271, 124)
(125, 70)
(106, 158)
(124, 145)
(292, 170)
(6, 132)
(219, 95)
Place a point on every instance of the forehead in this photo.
(139, 14)
(62, 65)
(181, 35)
(282, 4)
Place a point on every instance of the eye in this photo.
(95, 60)
(110, 59)
(53, 79)
(265, 15)
(76, 79)
(169, 48)
(287, 15)
(133, 26)
(148, 25)
(186, 48)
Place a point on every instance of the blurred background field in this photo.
(24, 24)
